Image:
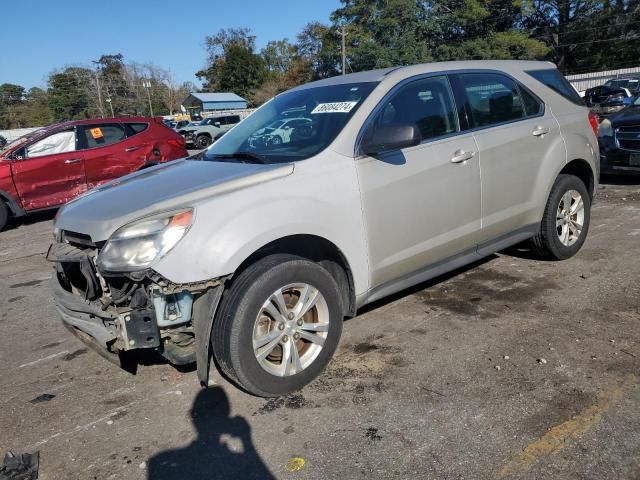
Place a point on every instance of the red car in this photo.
(55, 164)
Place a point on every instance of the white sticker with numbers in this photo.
(336, 107)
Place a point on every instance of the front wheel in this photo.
(4, 215)
(278, 325)
(203, 141)
(566, 219)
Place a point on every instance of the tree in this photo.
(233, 65)
(319, 45)
(67, 96)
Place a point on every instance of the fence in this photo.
(11, 135)
(245, 112)
(582, 81)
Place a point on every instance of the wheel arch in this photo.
(581, 169)
(317, 249)
(14, 209)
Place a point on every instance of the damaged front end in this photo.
(119, 312)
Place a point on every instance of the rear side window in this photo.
(133, 128)
(491, 98)
(427, 103)
(553, 79)
(101, 135)
(532, 105)
(233, 119)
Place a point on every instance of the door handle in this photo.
(132, 149)
(540, 131)
(73, 160)
(460, 156)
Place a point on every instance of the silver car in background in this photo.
(256, 252)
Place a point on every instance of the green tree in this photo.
(67, 97)
(233, 65)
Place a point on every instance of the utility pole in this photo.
(344, 53)
(147, 85)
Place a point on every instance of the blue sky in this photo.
(38, 36)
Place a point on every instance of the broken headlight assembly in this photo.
(139, 244)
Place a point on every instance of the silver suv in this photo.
(256, 252)
(205, 132)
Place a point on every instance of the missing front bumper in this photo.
(148, 312)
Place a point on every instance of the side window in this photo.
(233, 119)
(491, 98)
(59, 142)
(532, 106)
(101, 135)
(426, 103)
(133, 128)
(553, 79)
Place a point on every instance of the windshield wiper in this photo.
(252, 157)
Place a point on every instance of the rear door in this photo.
(514, 134)
(49, 171)
(110, 152)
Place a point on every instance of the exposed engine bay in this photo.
(122, 311)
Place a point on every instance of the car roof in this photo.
(399, 73)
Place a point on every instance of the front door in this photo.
(421, 204)
(49, 171)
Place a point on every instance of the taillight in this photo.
(177, 142)
(594, 121)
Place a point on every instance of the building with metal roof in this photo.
(212, 101)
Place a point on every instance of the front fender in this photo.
(229, 228)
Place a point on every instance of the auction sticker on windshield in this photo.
(336, 107)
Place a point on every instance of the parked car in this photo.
(180, 124)
(208, 130)
(619, 137)
(259, 251)
(605, 99)
(55, 164)
(3, 142)
(632, 84)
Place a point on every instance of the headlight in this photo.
(605, 129)
(139, 244)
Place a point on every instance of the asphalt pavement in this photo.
(509, 368)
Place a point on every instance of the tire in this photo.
(276, 140)
(242, 318)
(553, 240)
(203, 141)
(4, 215)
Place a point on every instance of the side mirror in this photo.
(217, 124)
(390, 137)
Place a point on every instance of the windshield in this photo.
(293, 126)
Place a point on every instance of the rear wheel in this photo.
(4, 215)
(278, 325)
(566, 219)
(203, 141)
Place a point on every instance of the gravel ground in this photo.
(510, 368)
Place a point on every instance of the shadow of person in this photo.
(222, 450)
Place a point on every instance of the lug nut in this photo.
(281, 326)
(291, 315)
(296, 336)
(299, 322)
(285, 339)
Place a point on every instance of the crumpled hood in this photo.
(166, 187)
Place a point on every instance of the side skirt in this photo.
(451, 263)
